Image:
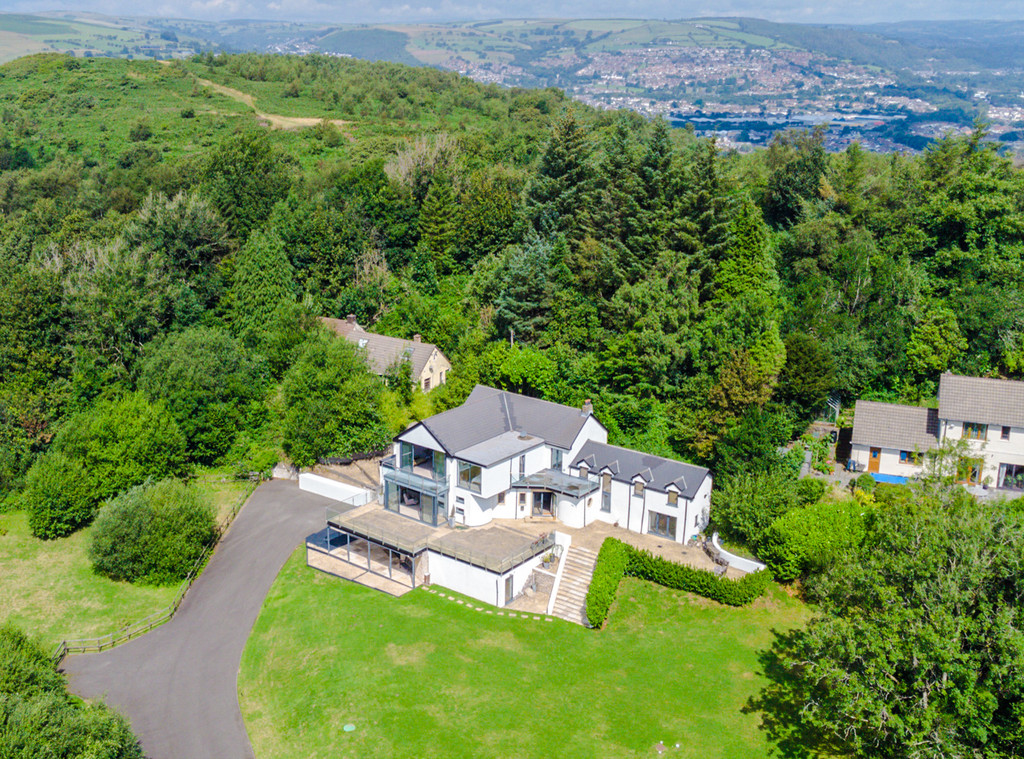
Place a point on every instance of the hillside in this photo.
(893, 87)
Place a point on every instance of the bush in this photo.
(123, 442)
(888, 494)
(810, 537)
(745, 506)
(608, 572)
(39, 718)
(153, 533)
(865, 482)
(646, 566)
(58, 496)
(810, 490)
(617, 559)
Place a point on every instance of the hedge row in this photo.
(617, 559)
(612, 560)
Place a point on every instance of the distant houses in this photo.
(891, 439)
(429, 365)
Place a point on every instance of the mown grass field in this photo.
(423, 676)
(48, 587)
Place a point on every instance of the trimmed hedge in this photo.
(612, 560)
(617, 559)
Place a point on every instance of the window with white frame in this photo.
(606, 492)
(638, 488)
(673, 498)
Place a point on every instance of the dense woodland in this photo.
(164, 255)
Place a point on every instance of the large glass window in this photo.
(662, 524)
(1011, 476)
(406, 456)
(606, 492)
(439, 465)
(975, 431)
(470, 476)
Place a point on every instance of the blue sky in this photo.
(341, 11)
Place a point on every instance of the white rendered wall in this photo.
(477, 582)
(888, 461)
(326, 487)
(994, 449)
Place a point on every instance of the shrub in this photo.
(810, 490)
(889, 494)
(746, 505)
(58, 496)
(38, 718)
(617, 559)
(153, 533)
(608, 572)
(646, 566)
(122, 443)
(810, 537)
(865, 482)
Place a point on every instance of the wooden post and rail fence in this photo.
(157, 618)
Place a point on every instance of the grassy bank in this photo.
(48, 587)
(423, 676)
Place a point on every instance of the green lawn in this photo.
(422, 676)
(48, 588)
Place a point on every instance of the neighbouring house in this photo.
(988, 413)
(429, 365)
(502, 456)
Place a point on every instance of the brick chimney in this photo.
(588, 408)
(351, 318)
(417, 338)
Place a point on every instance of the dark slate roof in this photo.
(381, 350)
(982, 400)
(657, 472)
(892, 425)
(499, 416)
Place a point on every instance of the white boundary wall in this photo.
(327, 487)
(738, 562)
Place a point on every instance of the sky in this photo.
(393, 11)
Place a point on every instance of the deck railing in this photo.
(391, 472)
(476, 559)
(157, 618)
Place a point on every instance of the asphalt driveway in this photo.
(178, 684)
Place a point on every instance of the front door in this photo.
(542, 504)
(875, 458)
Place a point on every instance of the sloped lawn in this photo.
(422, 676)
(49, 589)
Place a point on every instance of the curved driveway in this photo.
(178, 684)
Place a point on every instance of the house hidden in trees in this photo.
(891, 439)
(458, 485)
(429, 366)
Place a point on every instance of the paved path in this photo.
(178, 684)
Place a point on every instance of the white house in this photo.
(989, 413)
(503, 456)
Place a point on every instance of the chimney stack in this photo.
(351, 318)
(588, 408)
(417, 338)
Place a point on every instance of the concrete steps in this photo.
(571, 600)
